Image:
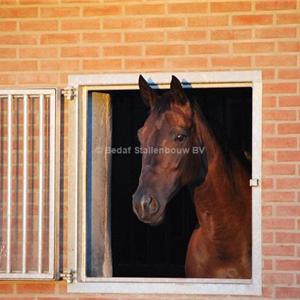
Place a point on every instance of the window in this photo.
(27, 184)
(96, 252)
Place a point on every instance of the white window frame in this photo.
(54, 142)
(84, 83)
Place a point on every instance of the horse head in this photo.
(168, 139)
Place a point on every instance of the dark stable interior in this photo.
(140, 250)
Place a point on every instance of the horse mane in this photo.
(216, 131)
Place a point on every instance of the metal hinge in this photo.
(254, 182)
(68, 276)
(69, 93)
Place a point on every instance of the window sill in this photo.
(167, 286)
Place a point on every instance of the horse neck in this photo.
(213, 197)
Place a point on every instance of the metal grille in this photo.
(27, 170)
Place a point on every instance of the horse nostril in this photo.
(149, 204)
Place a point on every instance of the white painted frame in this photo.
(51, 93)
(124, 81)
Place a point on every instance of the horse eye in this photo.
(180, 137)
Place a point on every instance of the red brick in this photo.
(59, 38)
(64, 298)
(38, 78)
(209, 49)
(164, 22)
(102, 37)
(287, 292)
(80, 51)
(102, 64)
(80, 1)
(252, 20)
(187, 8)
(17, 39)
(289, 47)
(234, 61)
(288, 265)
(36, 287)
(290, 211)
(267, 237)
(289, 101)
(230, 6)
(7, 79)
(32, 2)
(6, 288)
(18, 65)
(267, 210)
(144, 64)
(8, 53)
(13, 12)
(267, 264)
(289, 74)
(282, 143)
(59, 65)
(268, 129)
(268, 74)
(136, 37)
(187, 63)
(278, 250)
(165, 50)
(38, 52)
(80, 24)
(276, 60)
(45, 25)
(287, 238)
(268, 156)
(208, 21)
(269, 101)
(278, 278)
(278, 224)
(279, 169)
(280, 88)
(8, 26)
(288, 18)
(253, 47)
(186, 35)
(276, 5)
(122, 23)
(59, 12)
(102, 10)
(267, 183)
(275, 32)
(289, 128)
(231, 34)
(288, 183)
(288, 156)
(122, 50)
(144, 9)
(17, 298)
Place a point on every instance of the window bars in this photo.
(27, 183)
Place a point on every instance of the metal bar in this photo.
(26, 276)
(25, 123)
(9, 176)
(52, 165)
(41, 177)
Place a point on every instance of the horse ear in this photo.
(148, 95)
(178, 90)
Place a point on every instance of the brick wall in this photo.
(42, 41)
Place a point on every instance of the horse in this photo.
(220, 246)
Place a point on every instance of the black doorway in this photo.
(139, 250)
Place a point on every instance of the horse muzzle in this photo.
(146, 207)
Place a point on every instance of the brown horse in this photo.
(221, 246)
